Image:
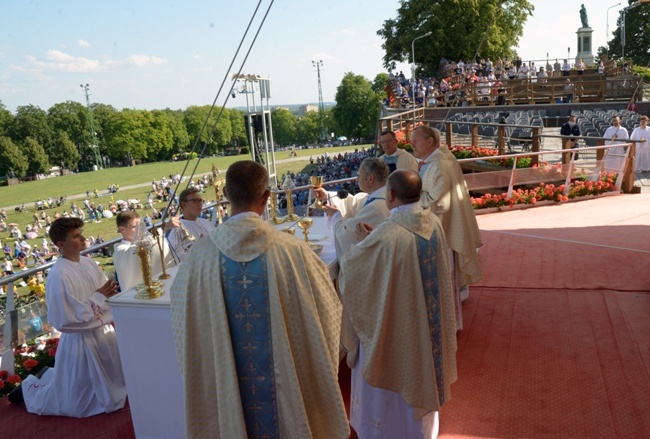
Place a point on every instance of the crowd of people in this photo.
(455, 77)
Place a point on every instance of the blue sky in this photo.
(169, 53)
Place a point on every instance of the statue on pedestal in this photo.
(583, 16)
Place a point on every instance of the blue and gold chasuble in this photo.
(429, 274)
(246, 295)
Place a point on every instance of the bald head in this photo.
(403, 187)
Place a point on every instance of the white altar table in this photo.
(144, 335)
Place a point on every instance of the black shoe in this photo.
(16, 395)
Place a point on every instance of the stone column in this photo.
(585, 44)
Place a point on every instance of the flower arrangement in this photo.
(550, 192)
(29, 358)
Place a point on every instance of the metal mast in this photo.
(93, 134)
(321, 107)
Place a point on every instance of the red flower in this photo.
(30, 364)
(2, 384)
(51, 352)
(14, 379)
(3, 374)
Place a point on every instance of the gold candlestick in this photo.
(288, 185)
(216, 184)
(148, 289)
(156, 234)
(273, 201)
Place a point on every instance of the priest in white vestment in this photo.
(394, 157)
(256, 324)
(642, 159)
(192, 204)
(87, 377)
(369, 206)
(396, 289)
(126, 261)
(615, 159)
(445, 192)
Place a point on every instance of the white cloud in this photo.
(83, 43)
(141, 60)
(57, 60)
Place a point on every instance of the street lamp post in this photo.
(607, 27)
(413, 59)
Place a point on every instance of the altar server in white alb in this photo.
(445, 192)
(615, 156)
(403, 349)
(642, 159)
(126, 262)
(367, 207)
(192, 204)
(87, 378)
(256, 324)
(395, 157)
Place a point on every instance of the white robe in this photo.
(199, 228)
(87, 378)
(354, 210)
(127, 263)
(612, 163)
(305, 319)
(642, 159)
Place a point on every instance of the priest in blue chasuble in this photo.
(256, 324)
(396, 288)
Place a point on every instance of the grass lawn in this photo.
(70, 185)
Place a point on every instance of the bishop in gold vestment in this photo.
(396, 289)
(256, 324)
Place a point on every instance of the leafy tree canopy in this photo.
(6, 118)
(457, 27)
(36, 157)
(31, 121)
(308, 128)
(357, 106)
(12, 161)
(62, 151)
(284, 126)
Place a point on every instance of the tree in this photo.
(12, 161)
(181, 139)
(457, 26)
(284, 126)
(239, 136)
(6, 119)
(63, 152)
(37, 158)
(308, 128)
(637, 35)
(221, 138)
(31, 121)
(127, 134)
(379, 83)
(357, 106)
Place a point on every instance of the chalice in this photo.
(305, 224)
(317, 182)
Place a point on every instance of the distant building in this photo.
(304, 109)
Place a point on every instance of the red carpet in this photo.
(18, 424)
(556, 338)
